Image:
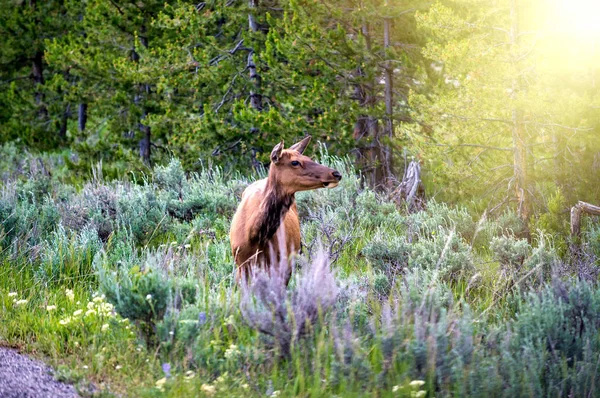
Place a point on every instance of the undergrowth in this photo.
(127, 286)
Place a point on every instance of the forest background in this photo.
(496, 100)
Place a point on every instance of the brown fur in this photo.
(268, 202)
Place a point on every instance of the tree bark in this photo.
(62, 132)
(366, 129)
(518, 136)
(576, 211)
(255, 96)
(389, 102)
(82, 116)
(146, 141)
(38, 80)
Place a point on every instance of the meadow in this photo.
(127, 286)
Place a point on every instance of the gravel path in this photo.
(21, 377)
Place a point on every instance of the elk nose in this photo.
(337, 175)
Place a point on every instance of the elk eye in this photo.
(295, 163)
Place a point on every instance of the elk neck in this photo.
(274, 207)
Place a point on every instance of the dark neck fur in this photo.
(274, 207)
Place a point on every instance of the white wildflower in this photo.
(208, 389)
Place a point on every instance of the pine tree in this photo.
(489, 103)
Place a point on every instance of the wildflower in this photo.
(189, 375)
(118, 367)
(232, 352)
(70, 294)
(202, 318)
(90, 312)
(78, 312)
(245, 386)
(416, 383)
(65, 321)
(12, 294)
(104, 327)
(148, 297)
(98, 299)
(208, 389)
(275, 393)
(85, 366)
(105, 309)
(418, 394)
(90, 305)
(21, 302)
(166, 368)
(160, 383)
(395, 388)
(50, 308)
(76, 344)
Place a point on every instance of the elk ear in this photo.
(301, 146)
(276, 152)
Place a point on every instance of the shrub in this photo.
(285, 315)
(445, 252)
(438, 215)
(145, 293)
(510, 252)
(389, 255)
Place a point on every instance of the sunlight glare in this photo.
(578, 18)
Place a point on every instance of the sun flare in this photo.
(576, 18)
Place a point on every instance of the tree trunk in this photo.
(146, 141)
(255, 96)
(38, 80)
(389, 98)
(366, 129)
(62, 132)
(82, 116)
(521, 182)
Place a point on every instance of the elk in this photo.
(267, 212)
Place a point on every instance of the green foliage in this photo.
(510, 252)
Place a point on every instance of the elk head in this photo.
(293, 172)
